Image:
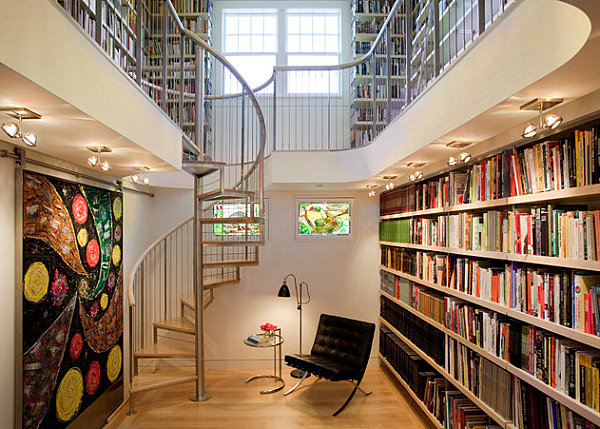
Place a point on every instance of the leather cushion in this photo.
(323, 367)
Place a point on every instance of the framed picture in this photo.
(324, 218)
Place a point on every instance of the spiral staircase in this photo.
(175, 279)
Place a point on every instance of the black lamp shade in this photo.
(284, 291)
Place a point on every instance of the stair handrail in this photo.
(140, 259)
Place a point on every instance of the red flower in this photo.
(268, 327)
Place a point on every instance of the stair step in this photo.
(214, 285)
(180, 324)
(160, 350)
(232, 219)
(229, 264)
(234, 243)
(189, 302)
(226, 194)
(146, 382)
(202, 168)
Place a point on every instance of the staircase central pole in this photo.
(201, 395)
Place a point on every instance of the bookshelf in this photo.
(368, 17)
(520, 290)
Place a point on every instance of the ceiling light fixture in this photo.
(96, 159)
(137, 178)
(15, 131)
(390, 185)
(452, 160)
(464, 157)
(549, 121)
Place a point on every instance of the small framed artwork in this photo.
(324, 218)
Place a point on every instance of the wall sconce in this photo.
(96, 160)
(15, 130)
(549, 121)
(371, 190)
(137, 178)
(390, 185)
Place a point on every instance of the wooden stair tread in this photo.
(229, 264)
(145, 382)
(233, 243)
(189, 301)
(159, 350)
(213, 285)
(180, 324)
(225, 194)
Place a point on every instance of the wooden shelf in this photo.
(489, 411)
(577, 264)
(555, 394)
(436, 423)
(571, 194)
(587, 339)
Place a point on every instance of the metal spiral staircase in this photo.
(223, 149)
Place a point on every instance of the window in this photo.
(254, 40)
(313, 38)
(250, 41)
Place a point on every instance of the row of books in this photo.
(566, 297)
(551, 165)
(427, 338)
(450, 407)
(371, 26)
(192, 6)
(533, 409)
(198, 25)
(486, 380)
(365, 91)
(564, 232)
(372, 6)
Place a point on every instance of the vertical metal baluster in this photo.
(388, 83)
(199, 99)
(408, 43)
(165, 58)
(243, 132)
(139, 55)
(181, 79)
(329, 110)
(274, 112)
(436, 37)
(481, 23)
(374, 94)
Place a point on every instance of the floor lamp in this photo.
(284, 292)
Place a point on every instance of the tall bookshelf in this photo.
(502, 258)
(111, 23)
(368, 17)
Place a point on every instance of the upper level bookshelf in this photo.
(368, 17)
(503, 256)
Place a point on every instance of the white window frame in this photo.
(282, 7)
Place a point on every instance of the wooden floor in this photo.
(235, 404)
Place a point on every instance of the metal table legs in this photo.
(276, 371)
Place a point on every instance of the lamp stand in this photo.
(298, 373)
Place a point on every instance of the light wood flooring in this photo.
(235, 404)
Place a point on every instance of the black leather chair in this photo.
(340, 352)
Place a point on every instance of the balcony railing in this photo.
(347, 105)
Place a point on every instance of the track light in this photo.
(550, 121)
(96, 159)
(15, 131)
(419, 174)
(139, 180)
(389, 185)
(412, 177)
(464, 157)
(452, 160)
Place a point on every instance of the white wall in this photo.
(342, 275)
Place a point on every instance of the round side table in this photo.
(275, 341)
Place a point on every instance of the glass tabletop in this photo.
(261, 340)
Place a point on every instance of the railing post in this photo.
(436, 38)
(199, 99)
(200, 395)
(181, 78)
(243, 143)
(274, 111)
(139, 29)
(165, 58)
(388, 83)
(408, 51)
(99, 22)
(481, 12)
(374, 93)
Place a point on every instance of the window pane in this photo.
(231, 24)
(319, 25)
(231, 44)
(319, 44)
(244, 44)
(257, 25)
(332, 44)
(270, 25)
(244, 26)
(257, 43)
(256, 69)
(306, 24)
(270, 44)
(332, 25)
(293, 24)
(293, 44)
(305, 43)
